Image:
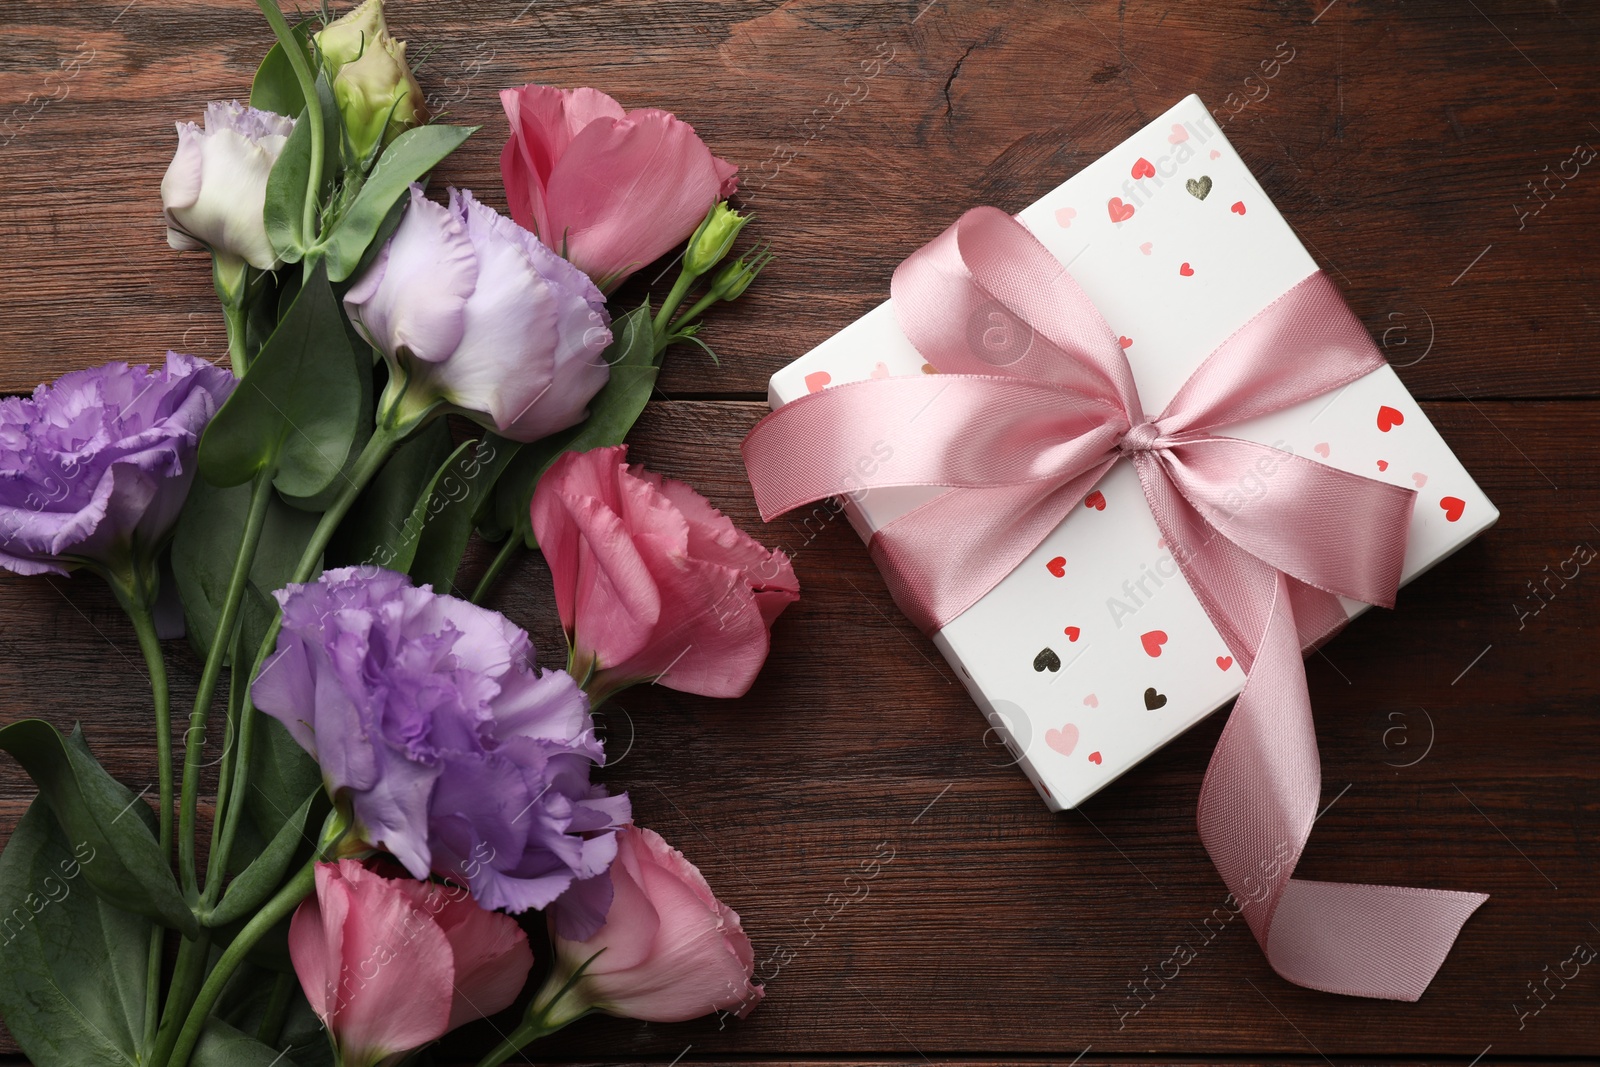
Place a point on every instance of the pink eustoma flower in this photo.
(669, 951)
(390, 965)
(609, 189)
(653, 583)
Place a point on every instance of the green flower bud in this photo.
(731, 281)
(713, 238)
(377, 94)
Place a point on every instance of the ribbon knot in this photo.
(1017, 447)
(1140, 438)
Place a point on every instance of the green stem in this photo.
(152, 984)
(378, 449)
(277, 1010)
(515, 1042)
(695, 309)
(236, 691)
(186, 974)
(135, 591)
(293, 51)
(136, 594)
(508, 551)
(231, 277)
(195, 736)
(542, 1018)
(680, 289)
(272, 912)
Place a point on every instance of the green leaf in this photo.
(72, 990)
(413, 154)
(374, 530)
(261, 879)
(206, 544)
(460, 493)
(97, 810)
(282, 775)
(275, 87)
(222, 1046)
(428, 502)
(296, 408)
(612, 414)
(284, 210)
(320, 502)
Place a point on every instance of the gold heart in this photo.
(1199, 189)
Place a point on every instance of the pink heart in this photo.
(1145, 248)
(1420, 478)
(1321, 450)
(1215, 154)
(1063, 740)
(816, 380)
(1092, 701)
(880, 370)
(1065, 215)
(1179, 134)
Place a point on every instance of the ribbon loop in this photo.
(1034, 403)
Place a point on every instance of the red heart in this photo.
(1383, 464)
(1224, 662)
(1186, 270)
(1119, 211)
(1153, 641)
(1144, 169)
(1094, 758)
(817, 379)
(1389, 418)
(1072, 633)
(1125, 342)
(1057, 566)
(1096, 500)
(1238, 207)
(1453, 507)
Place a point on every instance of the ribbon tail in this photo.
(1257, 806)
(941, 558)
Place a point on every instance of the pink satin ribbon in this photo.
(1033, 404)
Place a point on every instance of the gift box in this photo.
(1094, 651)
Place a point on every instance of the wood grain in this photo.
(1398, 142)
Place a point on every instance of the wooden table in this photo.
(1412, 146)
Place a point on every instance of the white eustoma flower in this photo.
(215, 190)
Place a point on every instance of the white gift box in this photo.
(1094, 652)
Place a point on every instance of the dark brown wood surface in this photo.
(1400, 142)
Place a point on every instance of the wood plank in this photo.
(1400, 142)
(999, 928)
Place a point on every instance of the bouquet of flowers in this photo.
(400, 781)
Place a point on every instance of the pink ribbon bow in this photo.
(1033, 404)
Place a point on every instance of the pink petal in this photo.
(380, 974)
(626, 191)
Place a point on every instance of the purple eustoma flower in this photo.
(471, 310)
(453, 751)
(95, 466)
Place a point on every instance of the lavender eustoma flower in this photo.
(453, 751)
(470, 309)
(95, 466)
(214, 193)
